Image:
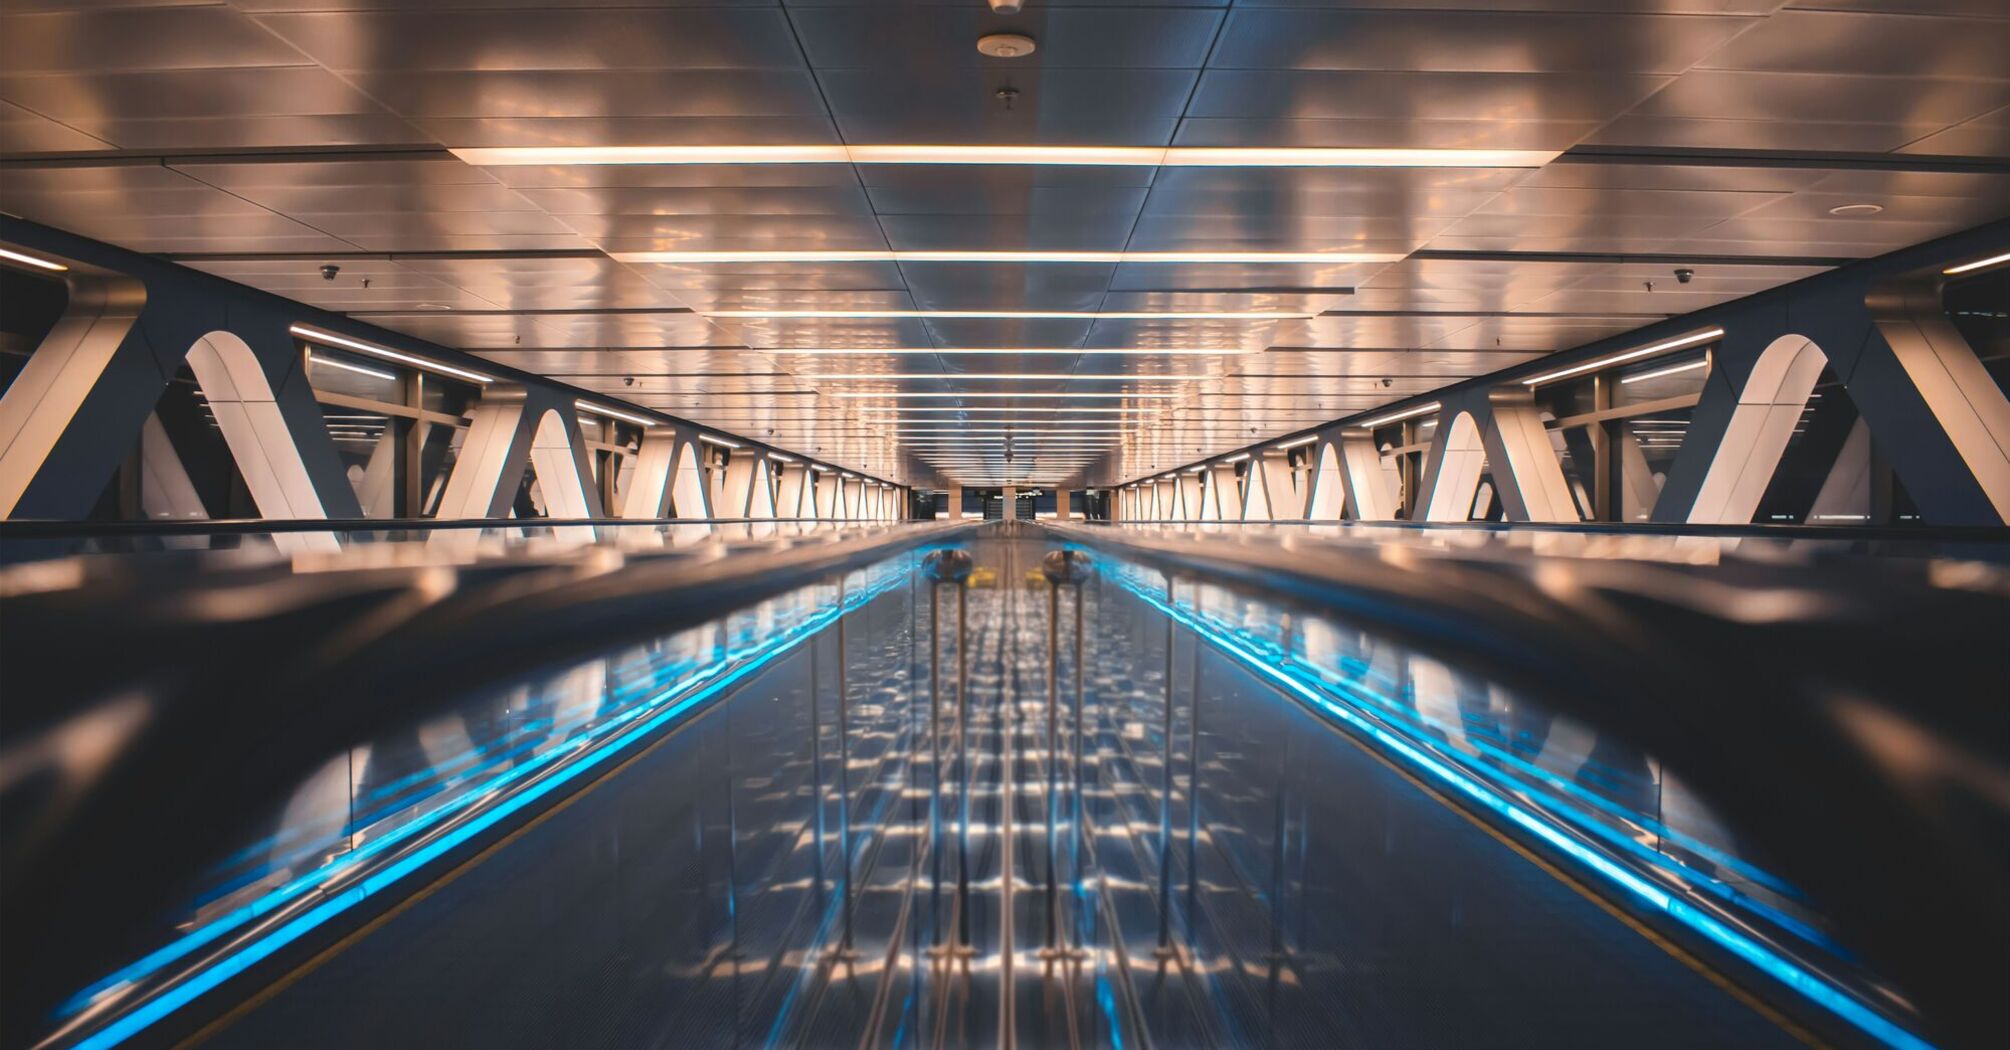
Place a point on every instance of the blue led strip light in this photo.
(722, 677)
(1807, 983)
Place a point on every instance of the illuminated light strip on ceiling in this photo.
(1111, 258)
(1808, 983)
(1394, 416)
(347, 367)
(1091, 409)
(1978, 264)
(960, 351)
(779, 458)
(1296, 443)
(721, 442)
(1091, 377)
(1236, 458)
(820, 468)
(598, 410)
(1022, 315)
(1094, 156)
(1669, 371)
(30, 260)
(1676, 343)
(346, 343)
(895, 395)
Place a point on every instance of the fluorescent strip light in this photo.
(1393, 417)
(1631, 355)
(1023, 315)
(1296, 443)
(989, 393)
(347, 367)
(1090, 409)
(779, 458)
(820, 468)
(847, 474)
(318, 336)
(1100, 156)
(1066, 351)
(1349, 157)
(40, 264)
(1110, 258)
(1669, 371)
(1963, 268)
(853, 377)
(586, 406)
(721, 442)
(1236, 458)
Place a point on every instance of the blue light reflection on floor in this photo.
(706, 684)
(1314, 692)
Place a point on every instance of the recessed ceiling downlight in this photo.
(1855, 211)
(1005, 45)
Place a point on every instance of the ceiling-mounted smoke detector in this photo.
(1005, 45)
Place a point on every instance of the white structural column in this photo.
(854, 499)
(166, 493)
(474, 488)
(561, 479)
(1371, 491)
(1456, 482)
(241, 401)
(52, 385)
(1221, 501)
(648, 494)
(1273, 490)
(761, 497)
(688, 496)
(1328, 498)
(736, 492)
(1761, 425)
(1190, 497)
(1009, 510)
(1061, 505)
(1951, 379)
(790, 502)
(955, 498)
(827, 495)
(1532, 467)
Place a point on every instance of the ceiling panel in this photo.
(311, 131)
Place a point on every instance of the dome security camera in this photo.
(1684, 275)
(329, 270)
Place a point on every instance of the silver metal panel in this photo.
(1903, 76)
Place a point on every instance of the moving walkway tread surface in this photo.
(1318, 895)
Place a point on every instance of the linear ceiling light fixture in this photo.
(1296, 443)
(1669, 371)
(1019, 315)
(851, 377)
(1068, 351)
(30, 260)
(1099, 156)
(721, 442)
(1952, 271)
(601, 410)
(1650, 350)
(314, 359)
(1370, 424)
(1005, 256)
(873, 410)
(315, 335)
(896, 395)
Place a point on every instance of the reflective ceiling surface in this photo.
(258, 139)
